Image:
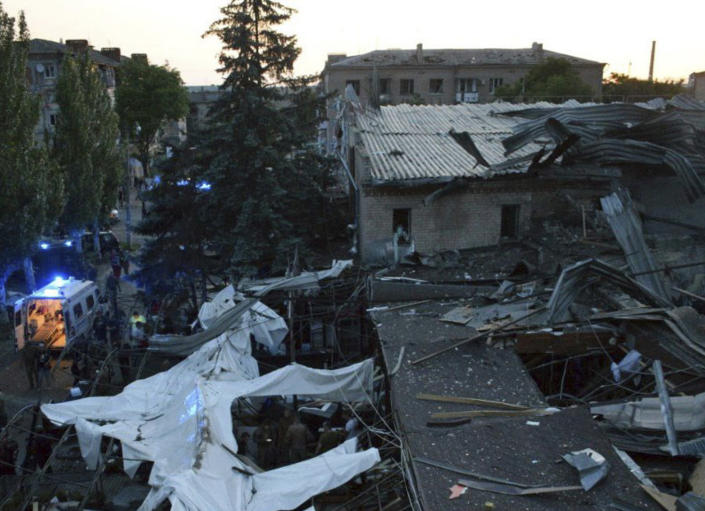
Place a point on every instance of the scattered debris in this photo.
(591, 465)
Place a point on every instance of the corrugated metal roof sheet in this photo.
(406, 142)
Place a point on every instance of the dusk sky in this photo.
(614, 32)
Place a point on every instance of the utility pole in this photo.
(128, 213)
(651, 64)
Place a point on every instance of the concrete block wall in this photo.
(460, 220)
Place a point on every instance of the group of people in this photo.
(288, 440)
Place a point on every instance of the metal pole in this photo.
(128, 213)
(651, 63)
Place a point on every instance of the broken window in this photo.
(406, 86)
(77, 311)
(401, 218)
(355, 85)
(385, 85)
(435, 85)
(52, 119)
(494, 83)
(510, 221)
(49, 71)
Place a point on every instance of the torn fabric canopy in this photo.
(180, 420)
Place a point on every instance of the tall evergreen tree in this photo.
(266, 183)
(85, 144)
(28, 184)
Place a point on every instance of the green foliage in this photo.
(267, 184)
(553, 80)
(147, 95)
(622, 87)
(29, 184)
(85, 143)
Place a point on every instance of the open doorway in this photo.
(510, 221)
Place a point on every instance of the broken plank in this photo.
(529, 412)
(470, 401)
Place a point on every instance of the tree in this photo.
(622, 87)
(147, 95)
(85, 145)
(552, 80)
(267, 186)
(29, 185)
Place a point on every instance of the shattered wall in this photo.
(463, 219)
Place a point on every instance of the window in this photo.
(355, 85)
(406, 87)
(18, 318)
(401, 218)
(77, 311)
(90, 302)
(49, 71)
(494, 83)
(466, 90)
(510, 221)
(465, 85)
(52, 119)
(385, 85)
(435, 86)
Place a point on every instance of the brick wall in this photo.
(463, 219)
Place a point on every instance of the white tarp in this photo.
(180, 419)
(229, 314)
(304, 281)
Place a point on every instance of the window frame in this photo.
(409, 89)
(401, 211)
(439, 89)
(494, 83)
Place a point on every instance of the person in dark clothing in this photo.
(243, 444)
(297, 436)
(329, 439)
(115, 263)
(44, 367)
(30, 356)
(266, 446)
(112, 288)
(100, 327)
(40, 451)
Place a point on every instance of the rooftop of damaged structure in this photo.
(504, 360)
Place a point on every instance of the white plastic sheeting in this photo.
(304, 281)
(228, 314)
(180, 419)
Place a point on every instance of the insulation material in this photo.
(180, 419)
(688, 413)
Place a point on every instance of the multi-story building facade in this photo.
(442, 77)
(44, 65)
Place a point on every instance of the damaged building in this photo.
(463, 176)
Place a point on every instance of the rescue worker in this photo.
(329, 439)
(112, 287)
(286, 420)
(296, 438)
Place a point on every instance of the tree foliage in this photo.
(622, 87)
(28, 183)
(85, 143)
(147, 95)
(267, 184)
(552, 80)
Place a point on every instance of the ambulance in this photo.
(58, 314)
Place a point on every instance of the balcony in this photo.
(467, 97)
